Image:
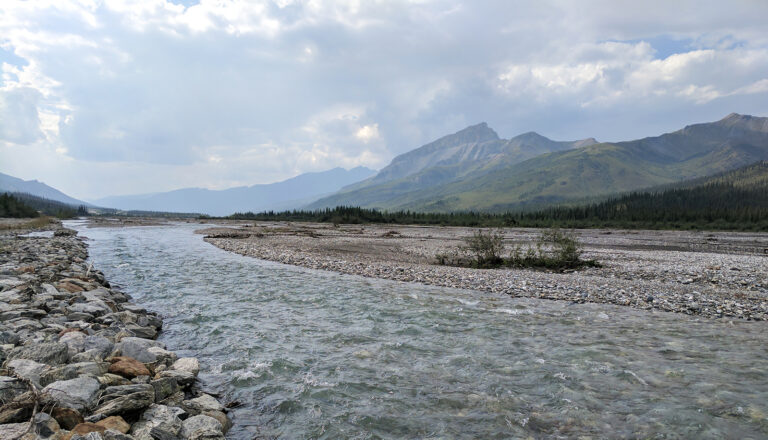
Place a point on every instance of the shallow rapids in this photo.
(313, 354)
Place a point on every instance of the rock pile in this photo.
(79, 361)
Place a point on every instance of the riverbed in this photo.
(314, 354)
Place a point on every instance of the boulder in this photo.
(202, 403)
(188, 364)
(125, 398)
(202, 427)
(164, 388)
(226, 424)
(82, 429)
(138, 348)
(28, 369)
(51, 353)
(71, 371)
(110, 380)
(164, 357)
(46, 427)
(13, 430)
(80, 393)
(183, 378)
(128, 367)
(115, 423)
(10, 387)
(158, 421)
(68, 418)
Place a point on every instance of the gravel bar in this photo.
(712, 274)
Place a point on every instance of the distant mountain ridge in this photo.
(10, 184)
(288, 194)
(541, 172)
(473, 151)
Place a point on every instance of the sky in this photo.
(112, 97)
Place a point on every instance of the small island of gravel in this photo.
(712, 274)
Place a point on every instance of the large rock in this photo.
(80, 393)
(28, 369)
(188, 364)
(125, 398)
(202, 427)
(183, 378)
(85, 428)
(128, 367)
(100, 344)
(71, 371)
(95, 308)
(13, 430)
(158, 421)
(115, 423)
(203, 403)
(138, 348)
(164, 388)
(68, 418)
(51, 353)
(46, 427)
(10, 387)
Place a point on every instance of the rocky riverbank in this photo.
(80, 361)
(721, 275)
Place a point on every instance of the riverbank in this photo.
(80, 361)
(720, 274)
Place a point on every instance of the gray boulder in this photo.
(201, 404)
(125, 398)
(158, 421)
(138, 348)
(51, 353)
(79, 394)
(72, 371)
(28, 369)
(202, 427)
(10, 387)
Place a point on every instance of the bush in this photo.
(554, 249)
(485, 248)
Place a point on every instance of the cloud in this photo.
(221, 92)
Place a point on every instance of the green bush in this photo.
(554, 249)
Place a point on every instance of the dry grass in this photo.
(15, 224)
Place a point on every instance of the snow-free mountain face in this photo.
(288, 194)
(14, 184)
(473, 151)
(534, 171)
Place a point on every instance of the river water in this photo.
(313, 354)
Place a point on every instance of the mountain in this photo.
(10, 184)
(287, 194)
(736, 199)
(585, 170)
(473, 151)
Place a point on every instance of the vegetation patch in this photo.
(554, 249)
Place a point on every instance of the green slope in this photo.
(574, 174)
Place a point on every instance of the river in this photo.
(313, 354)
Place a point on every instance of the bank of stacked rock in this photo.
(79, 361)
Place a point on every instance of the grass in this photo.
(35, 223)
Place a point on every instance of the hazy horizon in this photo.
(121, 97)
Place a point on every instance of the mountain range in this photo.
(10, 184)
(474, 169)
(288, 194)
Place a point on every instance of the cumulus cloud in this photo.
(219, 93)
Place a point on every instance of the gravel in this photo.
(713, 274)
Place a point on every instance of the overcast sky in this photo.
(103, 97)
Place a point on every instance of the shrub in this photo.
(485, 248)
(554, 249)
